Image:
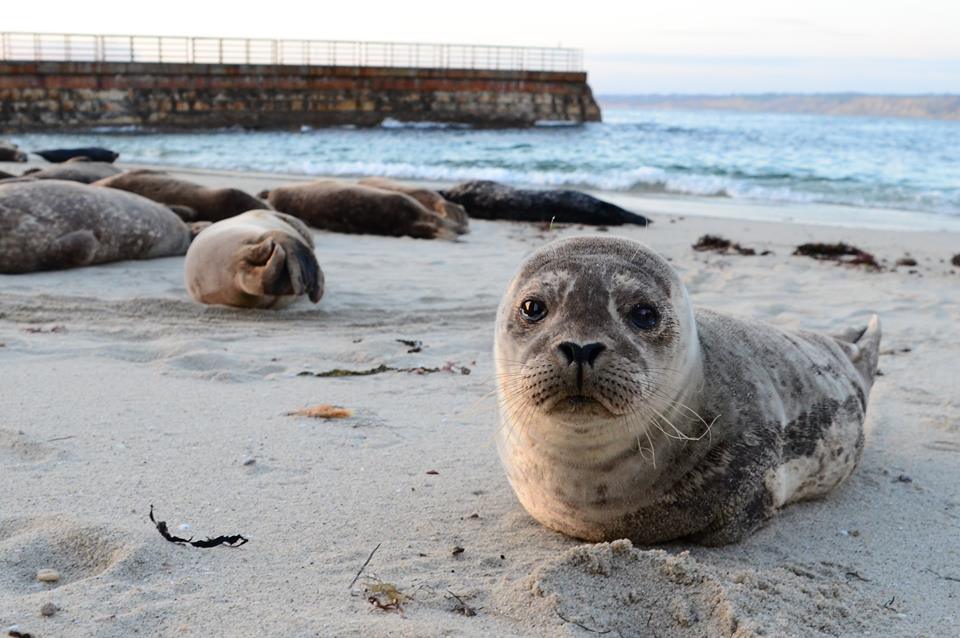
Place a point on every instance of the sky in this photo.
(672, 46)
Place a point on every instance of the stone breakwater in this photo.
(74, 95)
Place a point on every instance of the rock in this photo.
(489, 200)
(9, 152)
(956, 260)
(48, 609)
(48, 575)
(906, 261)
(93, 153)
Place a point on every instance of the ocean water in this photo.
(886, 163)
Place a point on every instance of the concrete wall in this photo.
(70, 95)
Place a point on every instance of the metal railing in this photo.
(138, 48)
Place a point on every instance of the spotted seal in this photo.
(52, 224)
(627, 412)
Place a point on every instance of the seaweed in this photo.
(722, 245)
(840, 252)
(234, 540)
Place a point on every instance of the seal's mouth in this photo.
(579, 404)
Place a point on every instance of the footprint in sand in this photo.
(17, 448)
(614, 588)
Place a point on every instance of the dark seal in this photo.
(93, 153)
(490, 200)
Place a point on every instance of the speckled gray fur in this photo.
(700, 428)
(53, 224)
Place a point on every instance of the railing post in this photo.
(219, 50)
(130, 44)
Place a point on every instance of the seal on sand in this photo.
(75, 170)
(10, 152)
(92, 153)
(260, 259)
(209, 204)
(625, 412)
(345, 207)
(52, 224)
(430, 199)
(489, 200)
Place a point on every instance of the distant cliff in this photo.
(933, 107)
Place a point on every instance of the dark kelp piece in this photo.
(840, 252)
(721, 245)
(235, 540)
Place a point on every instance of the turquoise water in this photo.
(903, 164)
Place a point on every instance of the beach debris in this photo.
(48, 609)
(907, 261)
(720, 244)
(956, 260)
(432, 472)
(939, 575)
(449, 366)
(323, 411)
(14, 632)
(414, 345)
(52, 329)
(249, 461)
(903, 478)
(457, 550)
(233, 540)
(364, 566)
(386, 596)
(840, 252)
(581, 625)
(857, 575)
(48, 575)
(462, 607)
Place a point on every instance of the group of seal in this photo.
(628, 413)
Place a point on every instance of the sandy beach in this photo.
(119, 392)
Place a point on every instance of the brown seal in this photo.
(627, 413)
(209, 204)
(52, 224)
(345, 207)
(429, 198)
(78, 169)
(260, 259)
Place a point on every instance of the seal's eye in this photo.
(644, 316)
(533, 310)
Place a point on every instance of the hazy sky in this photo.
(631, 47)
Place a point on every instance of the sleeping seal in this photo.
(209, 204)
(626, 412)
(92, 153)
(430, 199)
(75, 170)
(50, 224)
(260, 259)
(10, 152)
(345, 207)
(484, 199)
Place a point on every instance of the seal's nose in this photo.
(575, 353)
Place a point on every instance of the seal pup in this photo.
(260, 259)
(627, 413)
(93, 153)
(52, 224)
(345, 207)
(78, 169)
(429, 198)
(484, 199)
(208, 204)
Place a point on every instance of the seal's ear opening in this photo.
(264, 194)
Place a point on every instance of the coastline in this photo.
(128, 394)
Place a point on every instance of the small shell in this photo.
(48, 575)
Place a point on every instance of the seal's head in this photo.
(593, 329)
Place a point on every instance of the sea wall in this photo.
(76, 95)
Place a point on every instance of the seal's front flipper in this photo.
(862, 346)
(71, 250)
